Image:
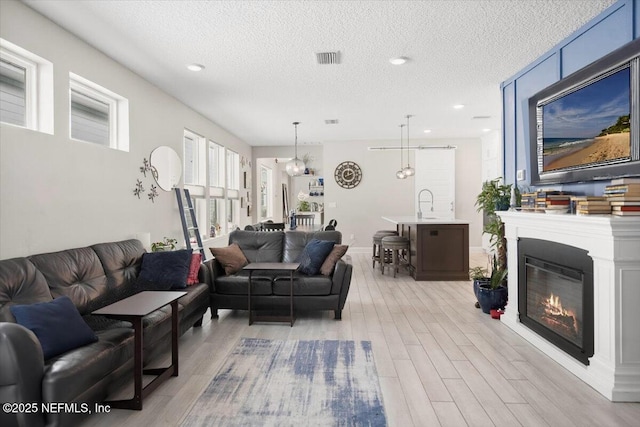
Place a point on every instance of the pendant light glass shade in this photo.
(408, 170)
(295, 166)
(400, 174)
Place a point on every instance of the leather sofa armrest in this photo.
(341, 275)
(21, 374)
(204, 275)
(214, 270)
(342, 279)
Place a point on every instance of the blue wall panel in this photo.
(542, 75)
(509, 129)
(612, 32)
(613, 28)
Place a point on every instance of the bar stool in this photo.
(394, 245)
(377, 240)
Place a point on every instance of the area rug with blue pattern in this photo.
(293, 383)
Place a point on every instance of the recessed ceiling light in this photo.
(195, 67)
(398, 60)
(486, 130)
(458, 106)
(427, 131)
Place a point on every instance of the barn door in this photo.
(436, 171)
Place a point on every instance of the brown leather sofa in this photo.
(271, 290)
(91, 277)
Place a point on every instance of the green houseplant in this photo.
(303, 206)
(492, 292)
(167, 244)
(494, 196)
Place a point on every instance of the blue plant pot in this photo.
(492, 299)
(476, 285)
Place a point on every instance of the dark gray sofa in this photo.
(91, 277)
(271, 290)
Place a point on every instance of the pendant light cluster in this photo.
(406, 171)
(295, 166)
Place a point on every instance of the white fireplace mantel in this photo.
(614, 245)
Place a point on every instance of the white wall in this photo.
(359, 210)
(56, 193)
(491, 167)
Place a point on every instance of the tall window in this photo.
(97, 114)
(266, 209)
(216, 189)
(211, 174)
(26, 89)
(233, 190)
(194, 159)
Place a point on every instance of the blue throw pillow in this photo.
(165, 270)
(313, 255)
(57, 324)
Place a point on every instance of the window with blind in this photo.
(26, 89)
(97, 115)
(89, 119)
(13, 93)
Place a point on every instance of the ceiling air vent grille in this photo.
(331, 122)
(481, 117)
(328, 58)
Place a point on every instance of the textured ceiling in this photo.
(261, 73)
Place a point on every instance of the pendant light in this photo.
(295, 166)
(400, 174)
(408, 171)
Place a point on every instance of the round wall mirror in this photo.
(167, 167)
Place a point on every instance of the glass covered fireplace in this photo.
(555, 295)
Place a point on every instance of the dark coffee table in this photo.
(133, 309)
(272, 266)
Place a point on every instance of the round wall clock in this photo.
(348, 174)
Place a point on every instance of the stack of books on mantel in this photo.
(553, 201)
(590, 205)
(528, 201)
(624, 196)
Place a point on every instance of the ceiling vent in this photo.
(481, 117)
(328, 58)
(331, 122)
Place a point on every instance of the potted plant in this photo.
(494, 196)
(493, 294)
(303, 206)
(167, 244)
(479, 275)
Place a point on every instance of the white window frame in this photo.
(38, 86)
(232, 173)
(266, 191)
(197, 185)
(118, 110)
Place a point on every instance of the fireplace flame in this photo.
(553, 308)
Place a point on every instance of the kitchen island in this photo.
(439, 246)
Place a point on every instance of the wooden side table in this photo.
(133, 309)
(272, 266)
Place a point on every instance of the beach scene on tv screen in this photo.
(590, 126)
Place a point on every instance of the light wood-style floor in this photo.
(441, 361)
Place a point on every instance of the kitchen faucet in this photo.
(420, 201)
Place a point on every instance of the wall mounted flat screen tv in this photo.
(586, 127)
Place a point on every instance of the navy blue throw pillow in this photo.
(164, 270)
(313, 255)
(57, 325)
